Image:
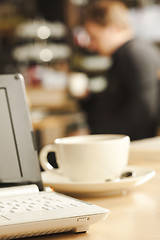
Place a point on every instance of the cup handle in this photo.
(43, 158)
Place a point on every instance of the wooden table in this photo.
(133, 216)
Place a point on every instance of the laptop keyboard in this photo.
(37, 202)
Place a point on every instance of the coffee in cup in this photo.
(89, 157)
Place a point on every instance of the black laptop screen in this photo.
(10, 164)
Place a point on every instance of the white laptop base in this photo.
(43, 212)
(25, 208)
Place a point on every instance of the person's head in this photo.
(108, 25)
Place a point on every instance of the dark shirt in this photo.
(130, 103)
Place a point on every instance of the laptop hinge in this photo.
(34, 140)
(19, 190)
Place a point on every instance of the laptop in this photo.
(26, 207)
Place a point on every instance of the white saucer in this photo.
(64, 185)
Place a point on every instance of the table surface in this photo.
(135, 215)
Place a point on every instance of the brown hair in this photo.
(107, 12)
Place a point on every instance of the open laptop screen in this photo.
(19, 163)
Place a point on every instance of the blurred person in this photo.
(130, 103)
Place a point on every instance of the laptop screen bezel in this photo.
(14, 87)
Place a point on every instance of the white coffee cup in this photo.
(88, 157)
(78, 84)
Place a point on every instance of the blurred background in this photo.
(45, 41)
